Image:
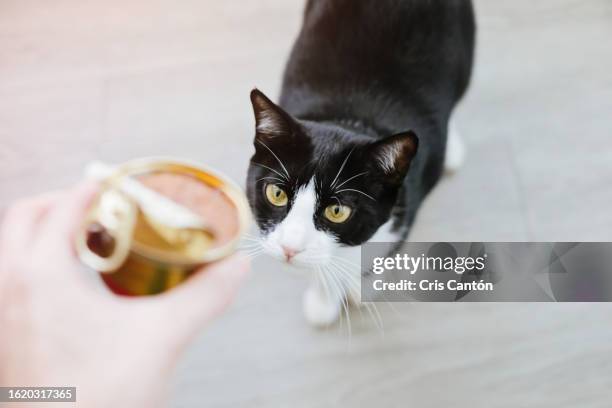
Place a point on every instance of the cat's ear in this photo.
(270, 120)
(393, 154)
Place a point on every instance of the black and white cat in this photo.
(360, 134)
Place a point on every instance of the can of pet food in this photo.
(155, 221)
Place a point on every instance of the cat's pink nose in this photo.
(290, 252)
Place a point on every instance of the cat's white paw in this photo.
(319, 310)
(455, 151)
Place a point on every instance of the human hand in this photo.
(58, 328)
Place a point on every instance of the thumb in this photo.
(205, 295)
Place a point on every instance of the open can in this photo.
(139, 253)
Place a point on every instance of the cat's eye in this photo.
(337, 213)
(276, 195)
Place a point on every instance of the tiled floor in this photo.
(116, 79)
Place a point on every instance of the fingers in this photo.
(205, 295)
(62, 222)
(22, 219)
(27, 245)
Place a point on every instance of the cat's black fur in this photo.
(359, 72)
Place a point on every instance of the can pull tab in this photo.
(105, 241)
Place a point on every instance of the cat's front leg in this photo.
(322, 306)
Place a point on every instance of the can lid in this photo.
(141, 231)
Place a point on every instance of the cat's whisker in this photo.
(352, 281)
(356, 191)
(350, 285)
(248, 250)
(253, 254)
(345, 305)
(342, 268)
(333, 183)
(271, 169)
(346, 261)
(342, 295)
(324, 281)
(276, 157)
(354, 285)
(348, 265)
(249, 241)
(374, 316)
(370, 307)
(246, 240)
(337, 199)
(250, 237)
(378, 320)
(315, 260)
(254, 244)
(315, 179)
(282, 181)
(352, 178)
(351, 270)
(251, 248)
(329, 286)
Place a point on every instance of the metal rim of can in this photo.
(179, 166)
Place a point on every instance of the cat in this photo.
(360, 135)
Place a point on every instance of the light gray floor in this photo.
(117, 79)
